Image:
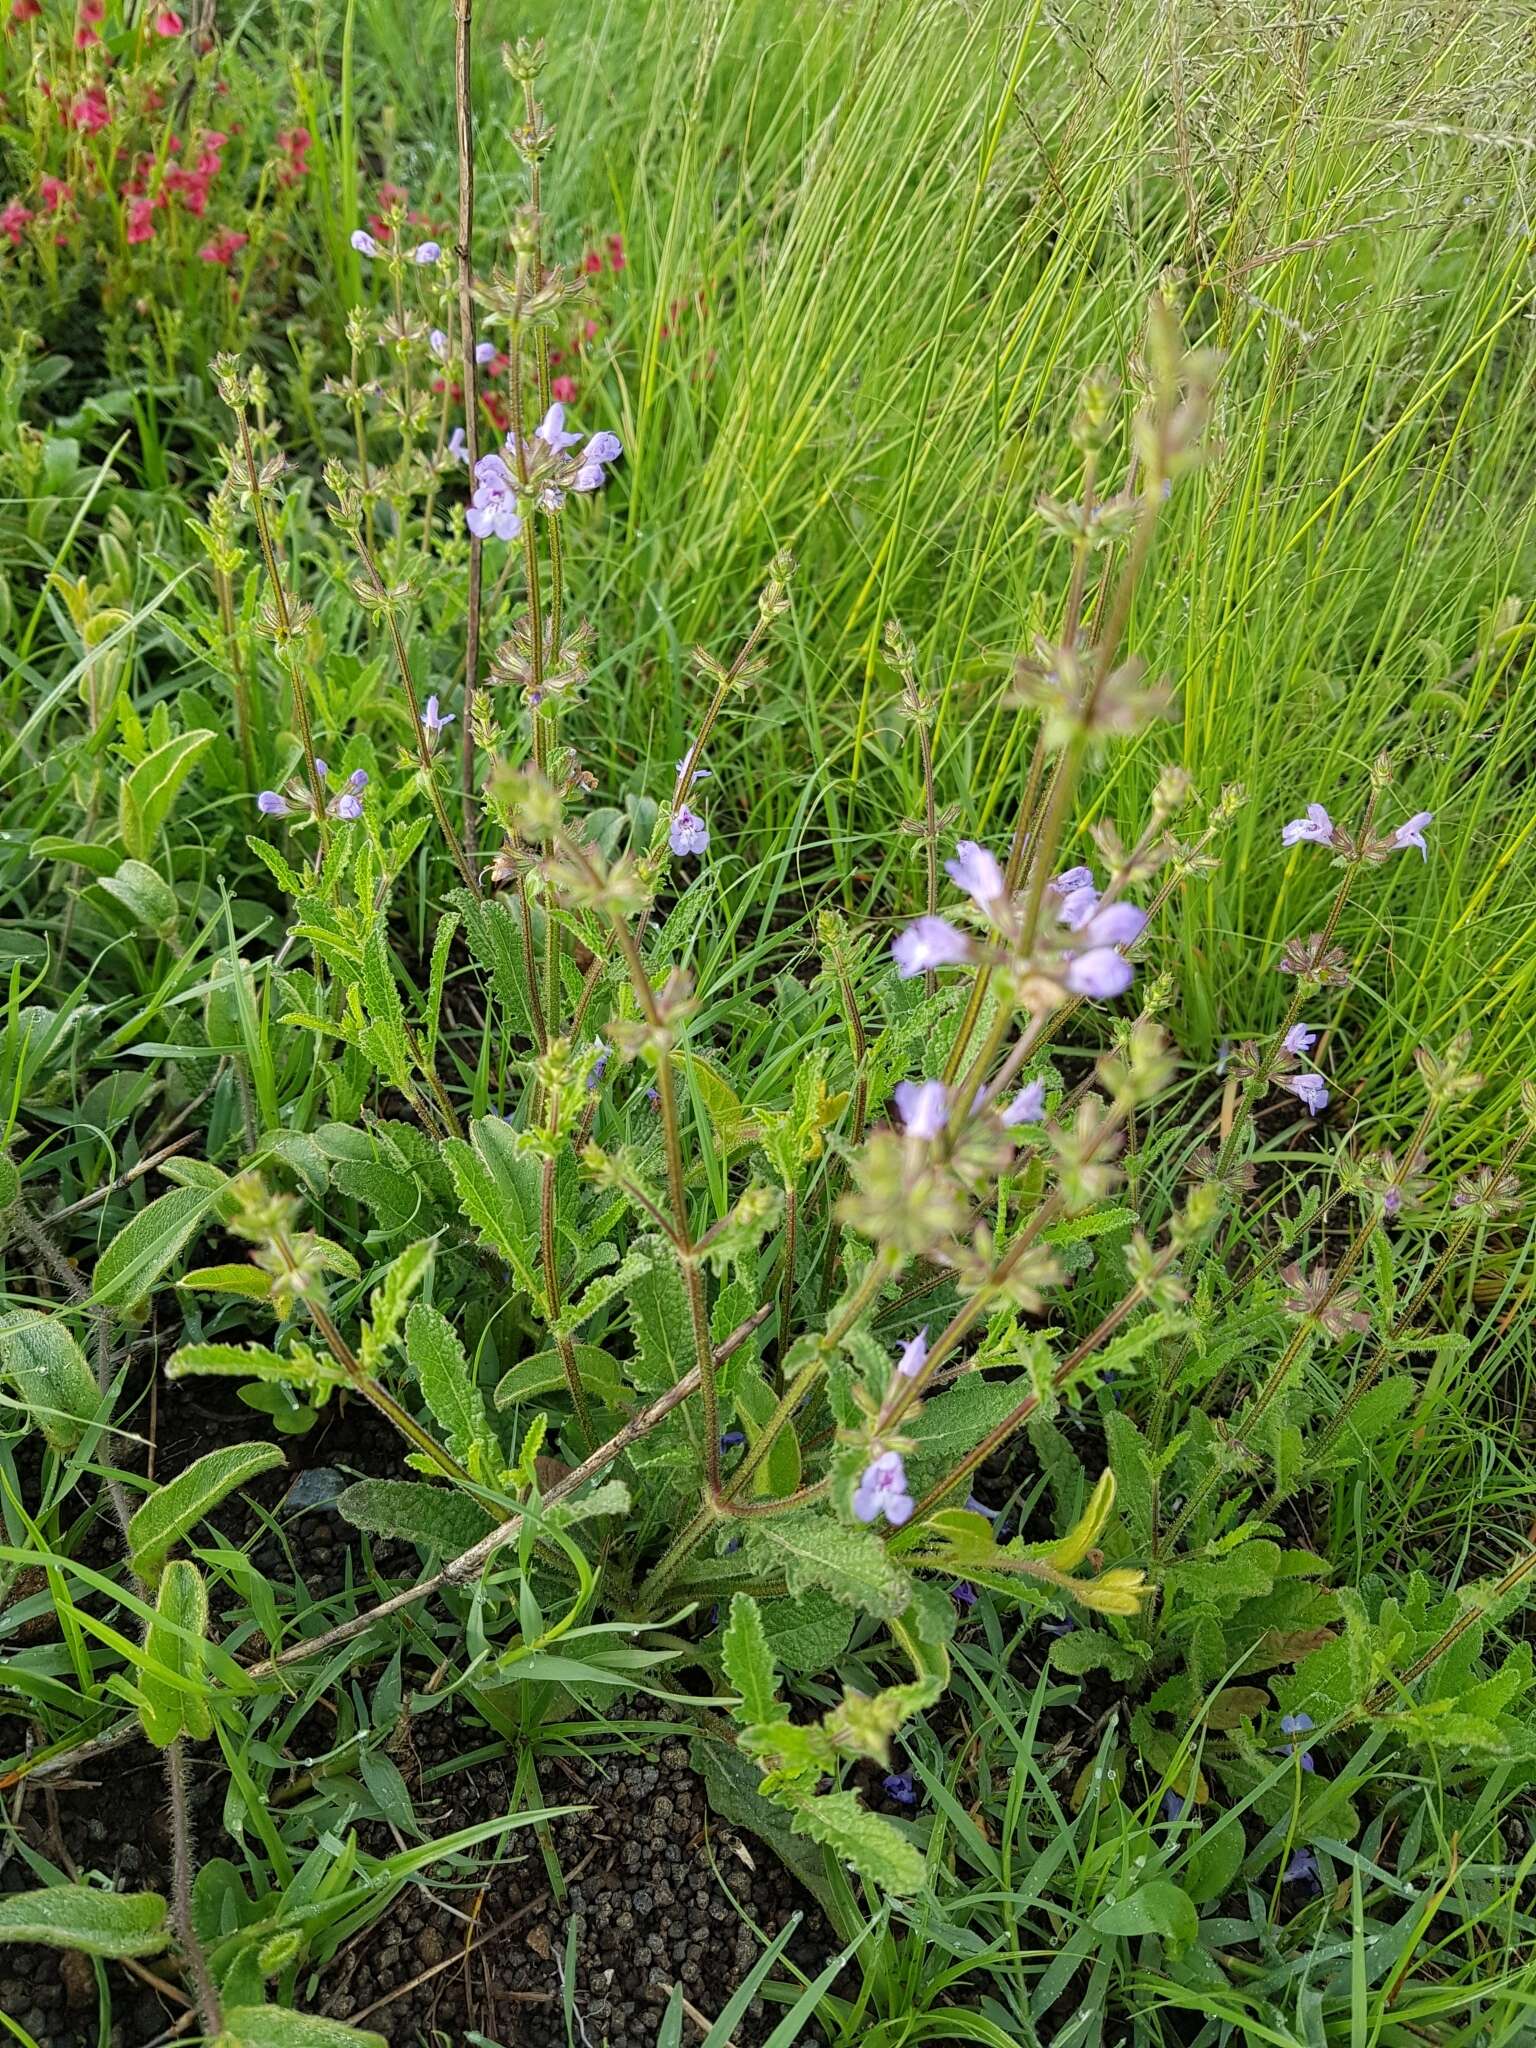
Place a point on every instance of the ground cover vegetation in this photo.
(765, 876)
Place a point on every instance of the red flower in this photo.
(563, 388)
(591, 263)
(224, 248)
(93, 10)
(26, 10)
(141, 225)
(13, 220)
(84, 37)
(616, 257)
(168, 22)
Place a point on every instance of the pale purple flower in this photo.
(485, 352)
(976, 871)
(924, 1107)
(963, 1593)
(930, 942)
(698, 773)
(349, 805)
(1173, 1806)
(914, 1355)
(600, 450)
(271, 805)
(551, 430)
(1098, 969)
(1299, 1039)
(426, 252)
(492, 512)
(900, 1786)
(1302, 1869)
(458, 447)
(689, 833)
(883, 1491)
(1077, 906)
(1070, 880)
(434, 721)
(364, 243)
(1309, 1089)
(1298, 1724)
(437, 341)
(1065, 1627)
(977, 1507)
(599, 1065)
(1027, 1107)
(1412, 833)
(1316, 828)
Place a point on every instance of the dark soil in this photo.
(658, 1890)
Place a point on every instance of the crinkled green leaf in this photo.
(178, 1506)
(437, 1517)
(51, 1374)
(812, 1549)
(93, 1923)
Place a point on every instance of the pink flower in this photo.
(591, 263)
(84, 37)
(563, 389)
(54, 192)
(168, 22)
(13, 220)
(90, 113)
(295, 144)
(25, 10)
(224, 248)
(141, 225)
(616, 260)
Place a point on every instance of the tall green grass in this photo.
(916, 225)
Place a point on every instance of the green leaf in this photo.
(611, 1498)
(1093, 1649)
(448, 1388)
(146, 1245)
(148, 899)
(602, 1290)
(247, 1281)
(145, 797)
(93, 1923)
(493, 933)
(1157, 1907)
(51, 1374)
(182, 1502)
(852, 1565)
(532, 1378)
(167, 1710)
(808, 1634)
(1214, 1862)
(386, 1041)
(252, 1362)
(394, 1198)
(658, 1315)
(748, 1664)
(436, 1517)
(498, 1190)
(390, 1299)
(842, 1823)
(276, 2026)
(955, 1422)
